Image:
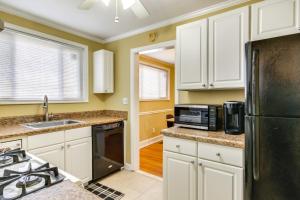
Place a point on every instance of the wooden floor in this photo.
(151, 158)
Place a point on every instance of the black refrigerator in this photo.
(272, 128)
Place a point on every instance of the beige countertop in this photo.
(9, 130)
(212, 137)
(65, 190)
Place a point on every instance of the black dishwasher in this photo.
(108, 149)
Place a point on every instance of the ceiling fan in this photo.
(135, 5)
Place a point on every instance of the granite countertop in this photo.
(212, 137)
(65, 190)
(17, 128)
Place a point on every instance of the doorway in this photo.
(150, 104)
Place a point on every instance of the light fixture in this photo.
(128, 3)
(106, 2)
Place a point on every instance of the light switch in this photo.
(125, 100)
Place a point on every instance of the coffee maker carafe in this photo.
(234, 112)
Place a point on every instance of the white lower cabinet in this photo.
(202, 176)
(54, 154)
(180, 182)
(217, 181)
(78, 158)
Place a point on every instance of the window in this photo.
(32, 66)
(154, 83)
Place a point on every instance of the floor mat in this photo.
(104, 192)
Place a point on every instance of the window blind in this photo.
(153, 83)
(31, 67)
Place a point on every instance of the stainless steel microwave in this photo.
(204, 117)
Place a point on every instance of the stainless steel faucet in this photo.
(45, 108)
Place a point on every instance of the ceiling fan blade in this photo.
(87, 4)
(139, 10)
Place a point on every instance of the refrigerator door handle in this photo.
(255, 136)
(254, 82)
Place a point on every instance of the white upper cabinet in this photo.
(228, 34)
(191, 55)
(273, 18)
(103, 72)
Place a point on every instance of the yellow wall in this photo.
(122, 65)
(152, 124)
(95, 101)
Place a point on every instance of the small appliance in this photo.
(204, 117)
(234, 120)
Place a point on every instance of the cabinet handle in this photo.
(177, 146)
(211, 85)
(218, 154)
(203, 85)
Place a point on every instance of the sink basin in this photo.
(49, 124)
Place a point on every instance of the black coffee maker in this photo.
(234, 114)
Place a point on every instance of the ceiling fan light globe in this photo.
(106, 2)
(128, 3)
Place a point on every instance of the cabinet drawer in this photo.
(78, 133)
(222, 154)
(44, 140)
(182, 146)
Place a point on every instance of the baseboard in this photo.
(128, 167)
(150, 141)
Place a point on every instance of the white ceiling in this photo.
(167, 55)
(99, 20)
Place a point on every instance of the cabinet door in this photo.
(54, 154)
(218, 181)
(228, 34)
(274, 18)
(191, 55)
(179, 177)
(79, 158)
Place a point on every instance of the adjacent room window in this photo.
(154, 83)
(32, 66)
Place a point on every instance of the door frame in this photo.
(134, 100)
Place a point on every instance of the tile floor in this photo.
(135, 186)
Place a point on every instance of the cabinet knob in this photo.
(193, 162)
(62, 147)
(211, 84)
(200, 164)
(218, 154)
(177, 146)
(203, 85)
(68, 146)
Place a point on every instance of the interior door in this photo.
(191, 55)
(54, 154)
(217, 181)
(79, 158)
(179, 177)
(275, 84)
(275, 158)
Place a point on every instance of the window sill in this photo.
(146, 100)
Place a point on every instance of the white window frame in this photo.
(168, 81)
(85, 64)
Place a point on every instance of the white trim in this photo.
(134, 100)
(150, 141)
(85, 63)
(174, 20)
(19, 13)
(128, 167)
(149, 175)
(155, 112)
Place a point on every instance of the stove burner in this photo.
(5, 159)
(28, 181)
(13, 156)
(44, 174)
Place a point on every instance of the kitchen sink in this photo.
(49, 124)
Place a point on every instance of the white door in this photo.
(228, 34)
(274, 18)
(179, 177)
(79, 158)
(217, 181)
(191, 55)
(54, 154)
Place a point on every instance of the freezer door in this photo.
(273, 77)
(272, 158)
